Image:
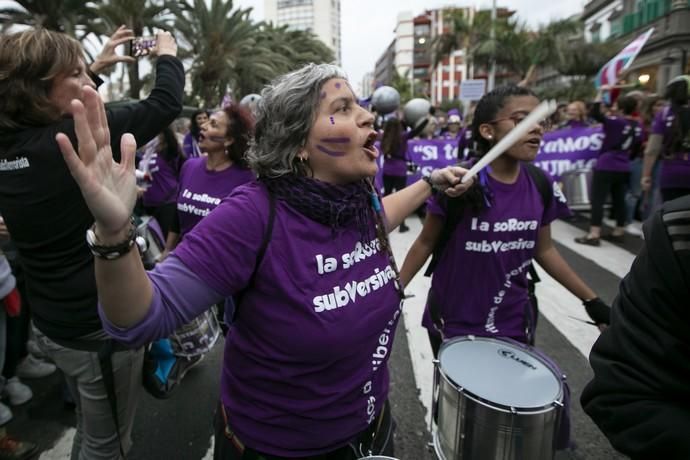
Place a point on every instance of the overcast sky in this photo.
(367, 25)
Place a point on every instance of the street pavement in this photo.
(181, 427)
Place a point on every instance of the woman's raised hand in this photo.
(109, 188)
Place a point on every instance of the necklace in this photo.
(382, 236)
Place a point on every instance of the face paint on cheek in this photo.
(333, 153)
(323, 94)
(332, 121)
(337, 86)
(336, 140)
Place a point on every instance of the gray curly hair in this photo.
(285, 115)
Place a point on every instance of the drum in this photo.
(149, 229)
(577, 184)
(496, 399)
(196, 337)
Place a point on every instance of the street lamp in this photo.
(643, 79)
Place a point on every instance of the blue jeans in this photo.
(632, 197)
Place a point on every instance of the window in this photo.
(289, 3)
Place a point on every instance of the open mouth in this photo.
(369, 145)
(534, 142)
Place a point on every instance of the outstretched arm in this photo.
(551, 260)
(109, 189)
(422, 248)
(401, 204)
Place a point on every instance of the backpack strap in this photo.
(542, 182)
(260, 256)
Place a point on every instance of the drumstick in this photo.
(542, 111)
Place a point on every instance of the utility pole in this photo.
(492, 70)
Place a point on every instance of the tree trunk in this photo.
(134, 81)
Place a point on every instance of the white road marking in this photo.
(62, 448)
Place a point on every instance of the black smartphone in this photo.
(141, 46)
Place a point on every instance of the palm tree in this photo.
(280, 51)
(469, 33)
(59, 15)
(220, 40)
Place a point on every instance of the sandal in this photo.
(588, 240)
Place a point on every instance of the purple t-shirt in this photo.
(464, 143)
(501, 241)
(201, 190)
(574, 124)
(620, 136)
(163, 187)
(675, 167)
(396, 165)
(190, 147)
(305, 362)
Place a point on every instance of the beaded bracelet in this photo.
(115, 251)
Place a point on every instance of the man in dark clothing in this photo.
(640, 394)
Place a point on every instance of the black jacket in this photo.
(46, 213)
(640, 394)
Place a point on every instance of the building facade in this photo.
(321, 17)
(666, 53)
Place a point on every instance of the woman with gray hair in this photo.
(304, 250)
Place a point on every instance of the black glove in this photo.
(598, 311)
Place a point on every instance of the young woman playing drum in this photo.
(305, 371)
(480, 282)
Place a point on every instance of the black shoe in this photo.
(403, 228)
(614, 238)
(588, 241)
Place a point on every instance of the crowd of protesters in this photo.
(222, 187)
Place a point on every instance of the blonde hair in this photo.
(29, 63)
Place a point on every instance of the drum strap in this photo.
(435, 313)
(105, 354)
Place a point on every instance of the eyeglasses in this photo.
(518, 117)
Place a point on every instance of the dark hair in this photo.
(487, 109)
(30, 61)
(647, 110)
(627, 104)
(169, 148)
(677, 92)
(194, 128)
(240, 130)
(391, 140)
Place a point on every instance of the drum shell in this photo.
(469, 427)
(577, 185)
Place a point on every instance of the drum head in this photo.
(500, 372)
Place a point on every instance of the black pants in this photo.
(227, 449)
(394, 184)
(604, 182)
(17, 328)
(670, 194)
